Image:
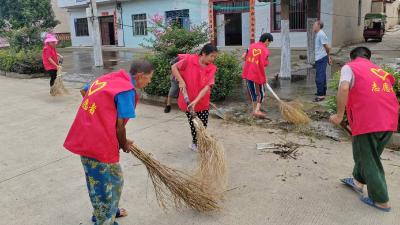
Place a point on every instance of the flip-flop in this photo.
(350, 183)
(317, 99)
(117, 215)
(371, 202)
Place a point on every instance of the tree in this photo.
(285, 72)
(22, 21)
(312, 16)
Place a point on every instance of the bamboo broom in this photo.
(211, 171)
(58, 87)
(173, 187)
(292, 114)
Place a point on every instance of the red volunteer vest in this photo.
(196, 78)
(256, 61)
(372, 105)
(93, 133)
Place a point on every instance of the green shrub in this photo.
(160, 83)
(7, 60)
(227, 77)
(396, 75)
(24, 61)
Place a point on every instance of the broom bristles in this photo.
(212, 169)
(293, 114)
(58, 87)
(173, 187)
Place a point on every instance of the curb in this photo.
(22, 76)
(159, 100)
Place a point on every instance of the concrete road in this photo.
(43, 184)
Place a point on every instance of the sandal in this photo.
(120, 213)
(350, 183)
(319, 99)
(371, 202)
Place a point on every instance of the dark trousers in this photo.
(320, 78)
(368, 169)
(203, 115)
(53, 76)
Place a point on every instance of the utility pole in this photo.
(285, 72)
(94, 20)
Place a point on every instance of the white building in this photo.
(232, 22)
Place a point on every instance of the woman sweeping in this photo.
(195, 74)
(98, 133)
(50, 57)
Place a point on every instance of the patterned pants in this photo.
(203, 115)
(104, 183)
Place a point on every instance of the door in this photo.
(233, 29)
(107, 30)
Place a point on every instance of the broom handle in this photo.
(214, 106)
(187, 101)
(272, 92)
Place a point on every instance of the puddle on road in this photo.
(79, 65)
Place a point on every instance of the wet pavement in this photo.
(79, 67)
(78, 64)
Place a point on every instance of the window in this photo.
(297, 15)
(178, 18)
(139, 24)
(81, 27)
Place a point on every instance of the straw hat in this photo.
(50, 38)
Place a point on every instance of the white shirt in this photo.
(320, 40)
(346, 74)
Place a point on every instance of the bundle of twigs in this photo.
(291, 113)
(58, 87)
(212, 169)
(175, 187)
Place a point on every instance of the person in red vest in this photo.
(50, 57)
(98, 133)
(195, 75)
(256, 60)
(366, 92)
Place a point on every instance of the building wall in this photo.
(377, 7)
(198, 13)
(345, 21)
(263, 24)
(392, 13)
(62, 16)
(75, 13)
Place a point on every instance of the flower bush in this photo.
(167, 41)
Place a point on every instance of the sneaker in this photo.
(193, 147)
(167, 109)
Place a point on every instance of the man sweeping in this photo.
(98, 133)
(256, 60)
(366, 91)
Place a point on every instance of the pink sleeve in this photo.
(182, 64)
